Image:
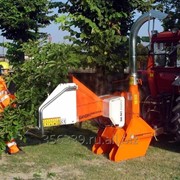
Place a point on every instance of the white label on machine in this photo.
(114, 109)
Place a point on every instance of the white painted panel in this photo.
(114, 109)
(64, 106)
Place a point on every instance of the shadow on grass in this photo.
(167, 142)
(84, 136)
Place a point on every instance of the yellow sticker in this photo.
(151, 75)
(131, 80)
(48, 122)
(135, 100)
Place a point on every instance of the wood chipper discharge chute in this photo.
(127, 135)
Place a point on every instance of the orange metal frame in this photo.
(128, 142)
(89, 105)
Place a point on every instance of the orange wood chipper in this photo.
(127, 135)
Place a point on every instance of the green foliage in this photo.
(145, 39)
(100, 29)
(14, 52)
(172, 8)
(47, 66)
(20, 20)
(142, 53)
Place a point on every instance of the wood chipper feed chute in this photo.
(89, 105)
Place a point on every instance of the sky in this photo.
(57, 35)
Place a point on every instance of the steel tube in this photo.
(133, 35)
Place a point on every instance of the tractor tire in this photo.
(176, 119)
(151, 113)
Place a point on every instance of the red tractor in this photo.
(160, 88)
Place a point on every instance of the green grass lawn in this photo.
(65, 153)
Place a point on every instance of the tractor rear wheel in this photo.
(151, 112)
(176, 119)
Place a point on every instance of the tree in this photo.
(20, 20)
(101, 28)
(172, 8)
(142, 55)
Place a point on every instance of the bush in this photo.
(47, 66)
